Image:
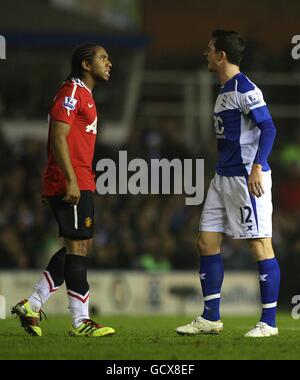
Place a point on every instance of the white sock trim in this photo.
(269, 305)
(52, 287)
(212, 297)
(79, 296)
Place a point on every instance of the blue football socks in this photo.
(211, 276)
(269, 280)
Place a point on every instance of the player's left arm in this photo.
(266, 140)
(257, 110)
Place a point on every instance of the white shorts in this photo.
(230, 209)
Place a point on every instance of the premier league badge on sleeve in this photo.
(253, 99)
(69, 103)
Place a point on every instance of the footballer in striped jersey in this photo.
(239, 202)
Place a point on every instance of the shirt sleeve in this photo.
(267, 136)
(66, 105)
(253, 105)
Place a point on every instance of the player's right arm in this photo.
(63, 112)
(60, 149)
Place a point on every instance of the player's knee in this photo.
(85, 247)
(88, 246)
(205, 247)
(200, 245)
(79, 247)
(261, 249)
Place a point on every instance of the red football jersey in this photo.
(73, 105)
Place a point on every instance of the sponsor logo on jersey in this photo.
(69, 103)
(219, 129)
(92, 128)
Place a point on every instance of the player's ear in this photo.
(222, 55)
(85, 65)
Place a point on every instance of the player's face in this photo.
(212, 57)
(101, 65)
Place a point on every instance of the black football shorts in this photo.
(75, 222)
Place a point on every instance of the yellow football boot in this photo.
(91, 328)
(29, 319)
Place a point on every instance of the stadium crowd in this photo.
(147, 232)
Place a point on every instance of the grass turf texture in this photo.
(151, 337)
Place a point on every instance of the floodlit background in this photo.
(158, 104)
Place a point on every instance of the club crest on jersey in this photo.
(69, 103)
(88, 222)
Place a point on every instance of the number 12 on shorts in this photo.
(246, 212)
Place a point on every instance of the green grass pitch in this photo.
(150, 337)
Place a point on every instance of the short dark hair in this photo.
(84, 52)
(231, 43)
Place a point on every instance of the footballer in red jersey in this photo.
(75, 106)
(68, 185)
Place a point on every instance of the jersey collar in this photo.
(80, 83)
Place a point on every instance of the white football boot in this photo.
(262, 330)
(200, 326)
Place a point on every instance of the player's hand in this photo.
(255, 181)
(72, 193)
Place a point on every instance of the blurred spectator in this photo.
(151, 233)
(145, 232)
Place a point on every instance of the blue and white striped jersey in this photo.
(239, 108)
